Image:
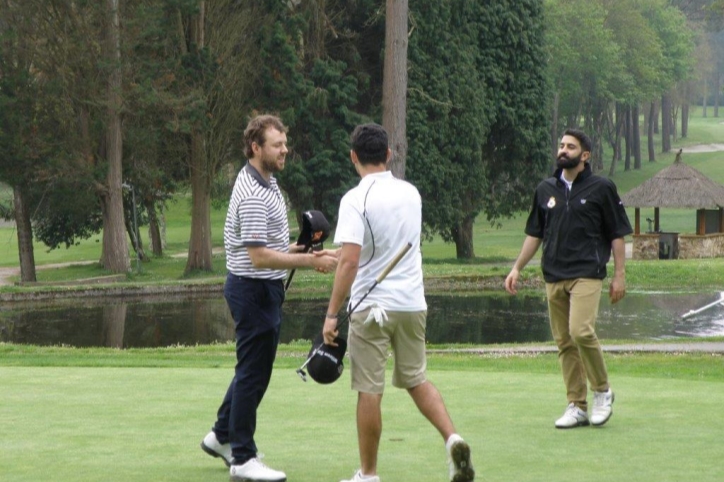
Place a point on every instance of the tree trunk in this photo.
(650, 132)
(685, 119)
(656, 117)
(665, 123)
(627, 129)
(717, 89)
(394, 83)
(705, 99)
(619, 131)
(136, 241)
(199, 257)
(646, 113)
(598, 140)
(554, 127)
(616, 140)
(463, 236)
(154, 232)
(115, 247)
(25, 237)
(636, 132)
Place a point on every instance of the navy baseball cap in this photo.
(315, 229)
(326, 362)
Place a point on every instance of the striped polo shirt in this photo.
(257, 216)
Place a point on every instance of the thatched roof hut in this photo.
(677, 186)
(680, 186)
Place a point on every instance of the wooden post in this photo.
(656, 220)
(701, 221)
(637, 221)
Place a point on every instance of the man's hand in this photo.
(329, 252)
(617, 289)
(530, 246)
(511, 281)
(324, 261)
(330, 331)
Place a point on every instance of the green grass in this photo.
(128, 419)
(178, 230)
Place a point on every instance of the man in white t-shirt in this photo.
(376, 219)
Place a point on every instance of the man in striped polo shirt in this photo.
(256, 240)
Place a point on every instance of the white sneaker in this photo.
(255, 471)
(572, 417)
(602, 407)
(359, 478)
(210, 444)
(458, 451)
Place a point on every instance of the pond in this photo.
(479, 319)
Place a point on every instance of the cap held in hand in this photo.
(315, 229)
(326, 362)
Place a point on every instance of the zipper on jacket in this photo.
(568, 197)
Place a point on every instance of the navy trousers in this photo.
(256, 306)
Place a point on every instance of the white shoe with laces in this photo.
(253, 470)
(573, 417)
(211, 445)
(602, 407)
(358, 477)
(458, 452)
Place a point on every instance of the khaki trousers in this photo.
(573, 307)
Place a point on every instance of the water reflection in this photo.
(480, 319)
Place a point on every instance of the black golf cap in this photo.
(315, 229)
(327, 362)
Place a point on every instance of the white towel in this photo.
(377, 314)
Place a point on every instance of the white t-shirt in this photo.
(566, 181)
(382, 214)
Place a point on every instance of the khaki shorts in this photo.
(369, 347)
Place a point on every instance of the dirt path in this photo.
(702, 148)
(681, 347)
(7, 274)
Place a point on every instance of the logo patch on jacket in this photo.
(551, 202)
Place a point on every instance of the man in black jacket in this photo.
(580, 220)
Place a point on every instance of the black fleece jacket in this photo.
(577, 226)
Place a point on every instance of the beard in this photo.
(564, 162)
(271, 164)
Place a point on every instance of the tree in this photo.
(394, 98)
(478, 137)
(18, 103)
(677, 46)
(115, 245)
(587, 72)
(642, 56)
(79, 55)
(201, 167)
(322, 64)
(630, 55)
(155, 149)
